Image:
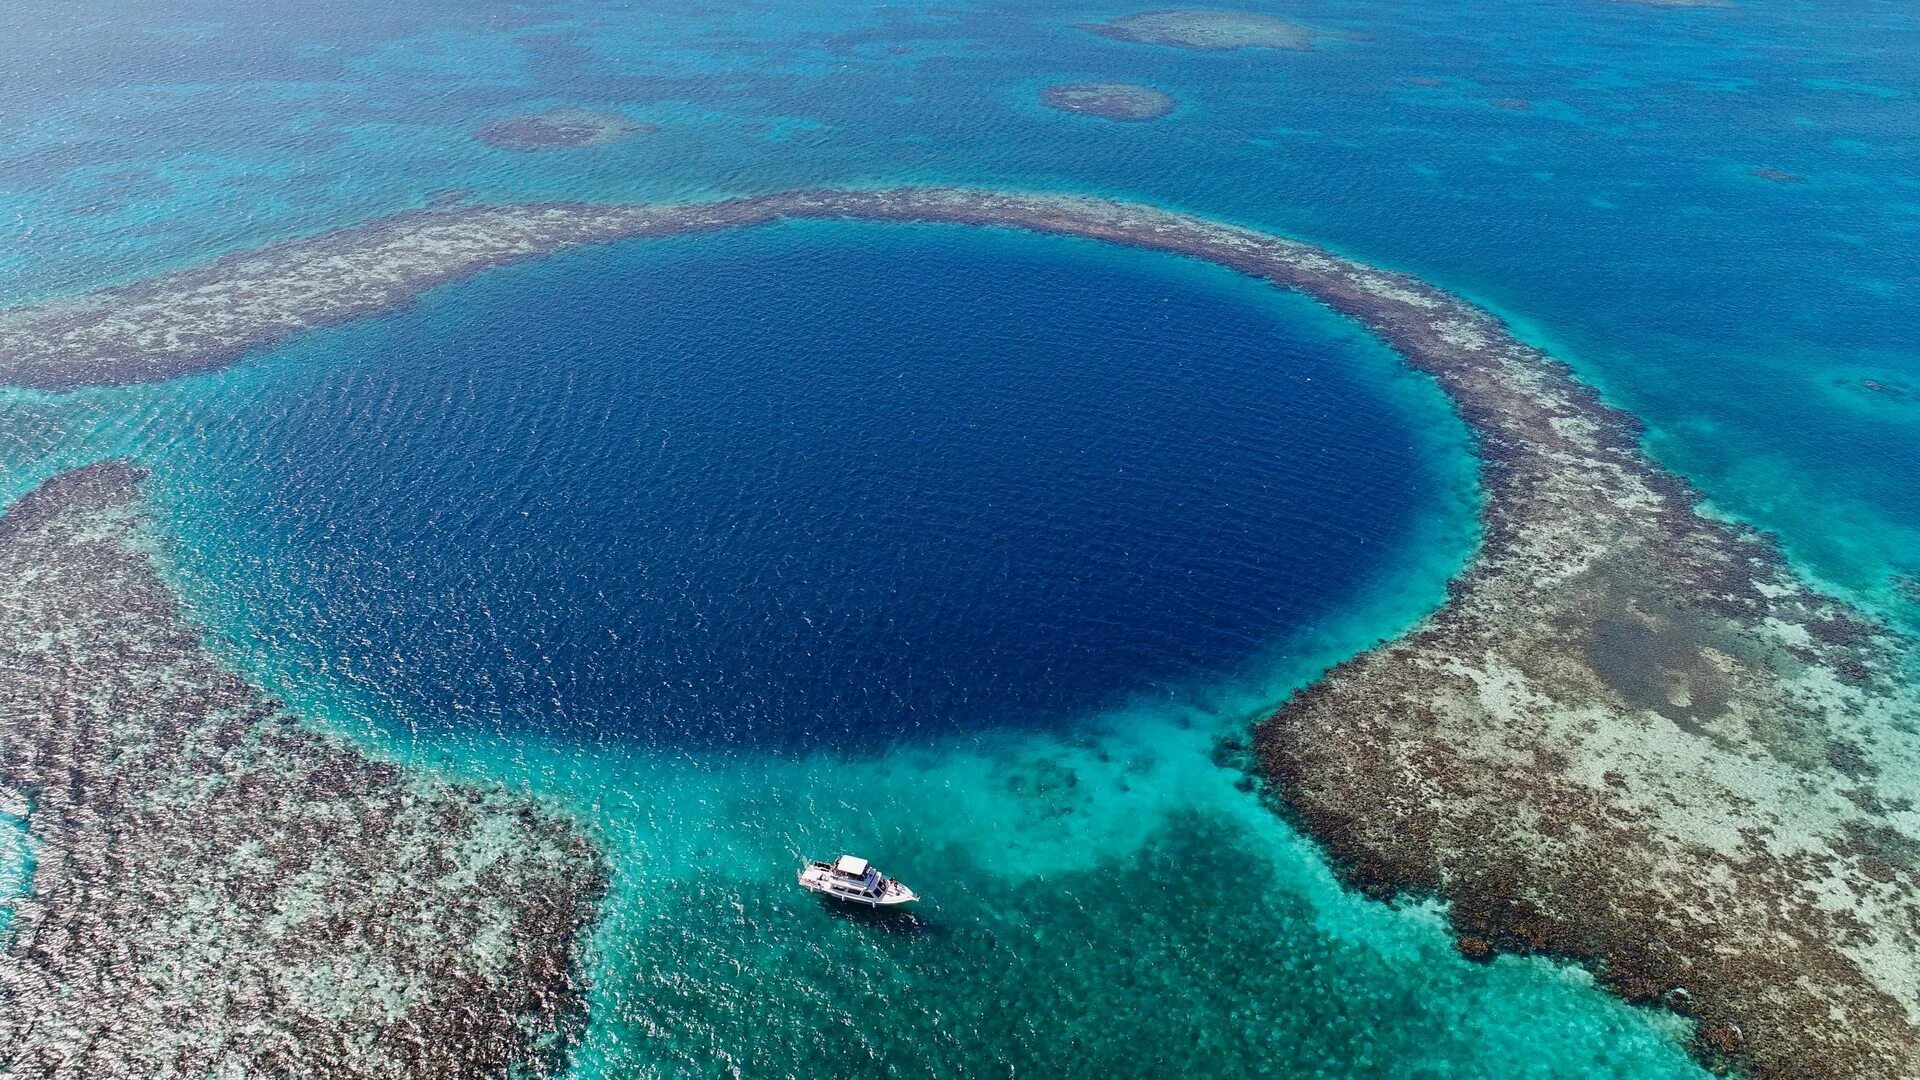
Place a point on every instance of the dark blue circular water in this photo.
(830, 483)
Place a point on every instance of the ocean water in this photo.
(963, 549)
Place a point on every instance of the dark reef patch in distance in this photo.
(1209, 29)
(1109, 101)
(559, 130)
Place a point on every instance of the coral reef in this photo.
(557, 130)
(1109, 101)
(1210, 29)
(1630, 735)
(220, 891)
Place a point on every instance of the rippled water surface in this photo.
(821, 486)
(961, 549)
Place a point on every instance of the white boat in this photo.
(854, 880)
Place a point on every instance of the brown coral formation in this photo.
(1109, 101)
(220, 891)
(558, 130)
(1631, 735)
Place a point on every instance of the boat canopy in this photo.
(850, 866)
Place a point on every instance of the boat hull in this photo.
(819, 879)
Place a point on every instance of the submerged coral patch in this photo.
(1109, 101)
(1209, 29)
(559, 129)
(1877, 389)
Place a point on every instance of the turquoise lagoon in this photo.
(965, 550)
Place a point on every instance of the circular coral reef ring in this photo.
(1109, 100)
(558, 130)
(1211, 29)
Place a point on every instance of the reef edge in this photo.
(220, 889)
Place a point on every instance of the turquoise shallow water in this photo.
(963, 550)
